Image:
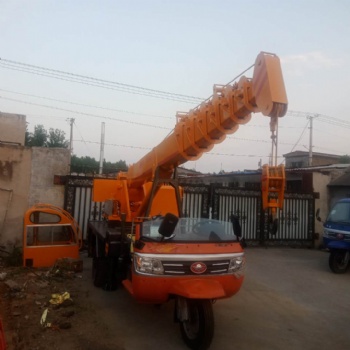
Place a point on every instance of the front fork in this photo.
(182, 309)
(181, 312)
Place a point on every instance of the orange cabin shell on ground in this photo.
(49, 233)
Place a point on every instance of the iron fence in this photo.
(295, 221)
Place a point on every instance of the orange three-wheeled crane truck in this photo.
(146, 245)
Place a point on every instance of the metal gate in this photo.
(295, 224)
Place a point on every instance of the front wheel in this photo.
(339, 261)
(198, 331)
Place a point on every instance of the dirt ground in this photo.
(289, 300)
(25, 294)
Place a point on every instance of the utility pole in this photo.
(311, 117)
(71, 122)
(102, 147)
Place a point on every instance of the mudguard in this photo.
(338, 245)
(198, 289)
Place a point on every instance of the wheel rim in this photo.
(342, 259)
(191, 326)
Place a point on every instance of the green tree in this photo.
(109, 167)
(57, 138)
(344, 159)
(28, 137)
(38, 138)
(87, 164)
(41, 138)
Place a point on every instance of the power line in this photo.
(209, 153)
(149, 148)
(86, 105)
(321, 117)
(330, 133)
(257, 140)
(327, 149)
(301, 135)
(85, 142)
(126, 121)
(83, 113)
(120, 110)
(130, 122)
(87, 80)
(115, 145)
(334, 121)
(264, 126)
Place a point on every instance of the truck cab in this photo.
(337, 224)
(336, 236)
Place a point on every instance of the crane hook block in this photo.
(272, 186)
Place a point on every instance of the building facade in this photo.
(26, 177)
(301, 159)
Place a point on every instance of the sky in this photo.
(183, 47)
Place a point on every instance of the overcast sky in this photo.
(183, 47)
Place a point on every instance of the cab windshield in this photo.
(340, 213)
(191, 230)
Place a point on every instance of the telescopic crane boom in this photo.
(195, 133)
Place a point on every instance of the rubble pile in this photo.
(37, 302)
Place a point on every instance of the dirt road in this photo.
(289, 300)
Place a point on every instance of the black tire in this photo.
(198, 331)
(339, 261)
(99, 271)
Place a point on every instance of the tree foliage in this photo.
(344, 159)
(57, 138)
(41, 138)
(38, 138)
(91, 165)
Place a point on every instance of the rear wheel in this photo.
(339, 261)
(99, 271)
(198, 331)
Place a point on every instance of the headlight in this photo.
(339, 236)
(237, 266)
(148, 265)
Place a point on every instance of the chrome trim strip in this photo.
(220, 264)
(190, 257)
(218, 271)
(332, 230)
(174, 272)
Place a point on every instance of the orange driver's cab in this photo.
(49, 233)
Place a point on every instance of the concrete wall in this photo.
(47, 162)
(27, 178)
(320, 182)
(12, 128)
(302, 160)
(15, 165)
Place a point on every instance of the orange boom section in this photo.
(195, 133)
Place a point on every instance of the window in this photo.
(340, 213)
(50, 235)
(39, 217)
